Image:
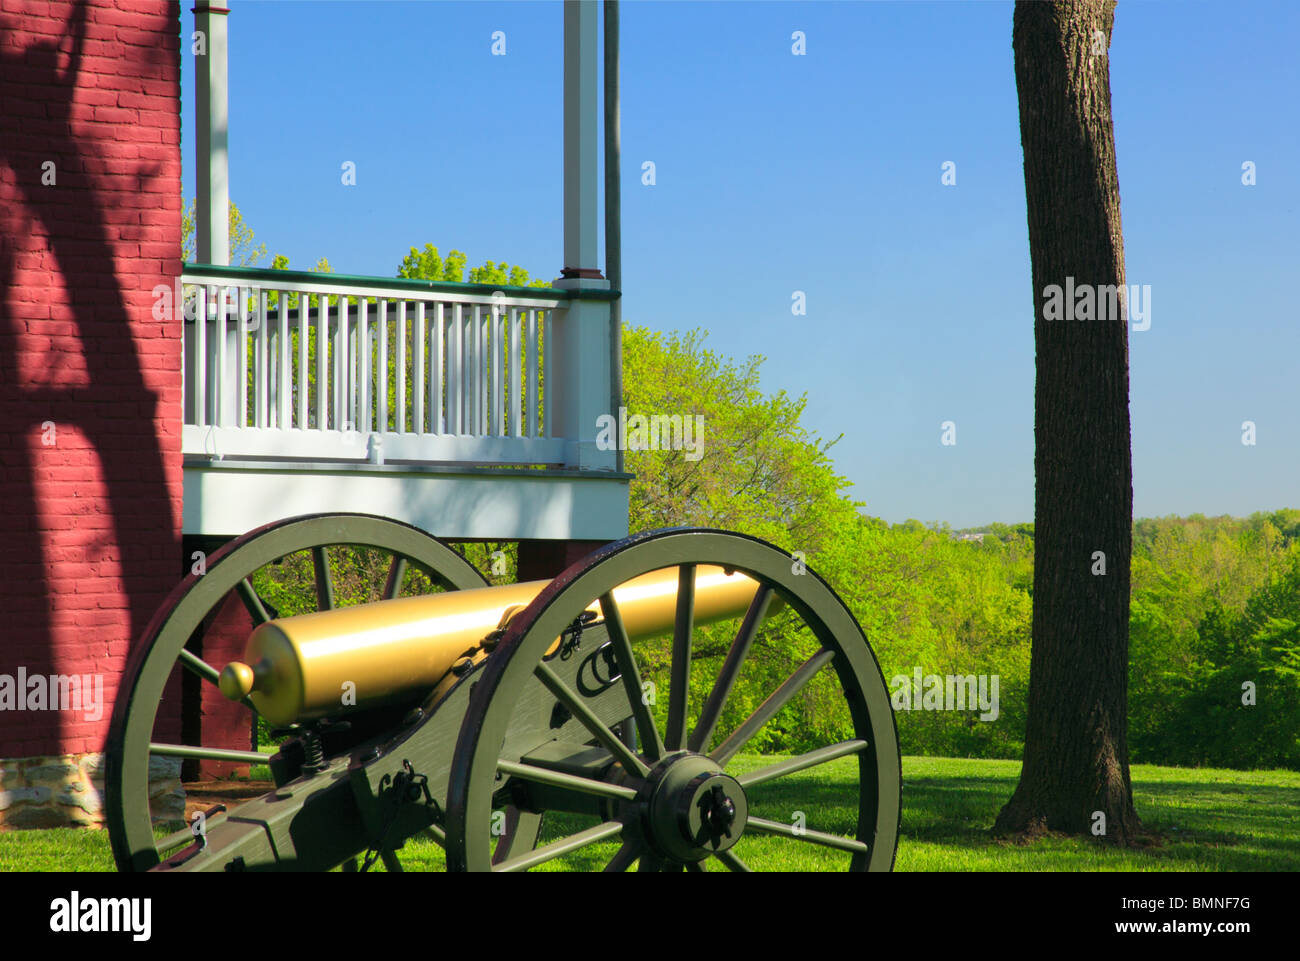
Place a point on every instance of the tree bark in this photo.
(1076, 741)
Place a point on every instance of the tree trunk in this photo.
(1076, 742)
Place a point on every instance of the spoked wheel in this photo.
(539, 728)
(402, 559)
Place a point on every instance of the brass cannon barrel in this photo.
(331, 662)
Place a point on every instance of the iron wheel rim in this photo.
(127, 755)
(512, 665)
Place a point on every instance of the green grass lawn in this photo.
(1210, 819)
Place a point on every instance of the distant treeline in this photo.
(1214, 653)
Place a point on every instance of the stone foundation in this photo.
(68, 791)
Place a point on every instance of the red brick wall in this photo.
(90, 507)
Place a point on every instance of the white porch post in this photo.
(579, 386)
(212, 226)
(581, 147)
(613, 209)
(211, 213)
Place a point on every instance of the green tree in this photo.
(751, 467)
(428, 264)
(1194, 580)
(242, 251)
(1238, 702)
(756, 469)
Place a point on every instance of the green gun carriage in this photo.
(484, 717)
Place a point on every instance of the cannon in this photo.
(577, 722)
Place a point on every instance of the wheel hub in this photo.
(694, 809)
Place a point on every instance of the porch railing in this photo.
(319, 367)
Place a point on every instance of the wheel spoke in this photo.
(583, 785)
(522, 828)
(703, 733)
(764, 826)
(396, 573)
(256, 609)
(732, 861)
(680, 682)
(391, 864)
(598, 728)
(650, 863)
(324, 582)
(651, 743)
(436, 834)
(627, 733)
(621, 861)
(208, 753)
(561, 847)
(803, 761)
(768, 709)
(196, 665)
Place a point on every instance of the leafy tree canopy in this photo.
(428, 264)
(242, 251)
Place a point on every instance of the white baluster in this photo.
(221, 347)
(480, 360)
(363, 364)
(435, 372)
(381, 380)
(341, 395)
(261, 386)
(399, 393)
(322, 361)
(417, 379)
(284, 347)
(201, 357)
(548, 328)
(496, 407)
(514, 387)
(455, 370)
(304, 383)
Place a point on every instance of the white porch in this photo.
(455, 503)
(468, 410)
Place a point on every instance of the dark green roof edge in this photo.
(270, 277)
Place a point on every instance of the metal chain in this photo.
(408, 786)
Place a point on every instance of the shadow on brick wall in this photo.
(79, 241)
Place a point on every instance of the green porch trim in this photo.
(274, 279)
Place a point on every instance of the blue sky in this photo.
(822, 173)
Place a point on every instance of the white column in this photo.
(578, 385)
(613, 207)
(581, 146)
(212, 226)
(212, 208)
